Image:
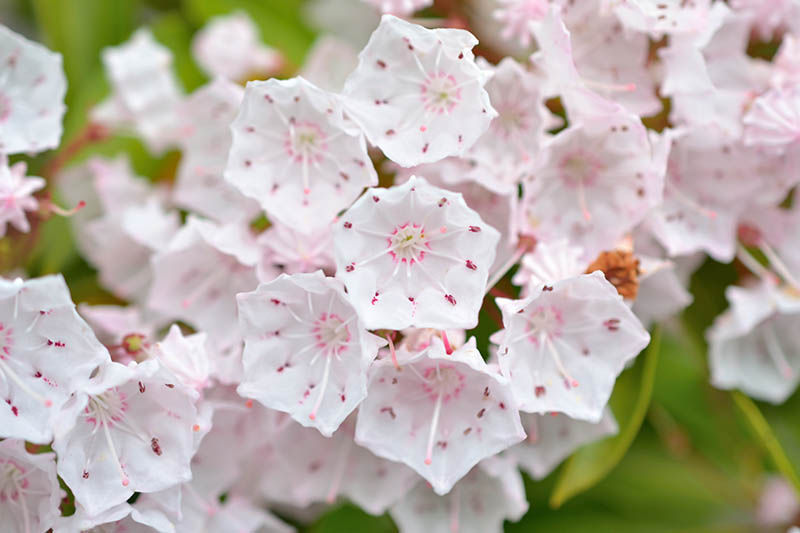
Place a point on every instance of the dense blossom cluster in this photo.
(328, 357)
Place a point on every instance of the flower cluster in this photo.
(333, 355)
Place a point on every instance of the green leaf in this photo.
(629, 402)
(769, 441)
(173, 31)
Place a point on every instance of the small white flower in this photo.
(32, 89)
(16, 195)
(414, 255)
(29, 490)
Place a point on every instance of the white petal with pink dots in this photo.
(46, 353)
(134, 432)
(306, 351)
(29, 490)
(438, 412)
(32, 89)
(295, 153)
(417, 93)
(564, 346)
(414, 255)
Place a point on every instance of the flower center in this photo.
(544, 321)
(440, 93)
(107, 408)
(12, 480)
(331, 332)
(408, 243)
(305, 141)
(580, 168)
(443, 381)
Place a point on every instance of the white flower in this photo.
(16, 195)
(754, 345)
(32, 89)
(306, 352)
(295, 153)
(564, 345)
(440, 413)
(47, 352)
(29, 491)
(230, 46)
(399, 7)
(145, 90)
(551, 439)
(490, 494)
(133, 433)
(204, 121)
(414, 255)
(417, 93)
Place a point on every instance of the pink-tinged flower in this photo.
(29, 490)
(185, 356)
(786, 64)
(754, 345)
(399, 7)
(663, 17)
(612, 61)
(294, 252)
(120, 245)
(47, 352)
(32, 91)
(548, 263)
(329, 61)
(661, 292)
(596, 179)
(414, 255)
(306, 351)
(230, 47)
(773, 120)
(295, 153)
(237, 513)
(16, 195)
(516, 17)
(711, 180)
(130, 429)
(145, 93)
(125, 331)
(564, 346)
(417, 93)
(504, 155)
(196, 278)
(551, 439)
(778, 504)
(204, 120)
(313, 469)
(769, 16)
(440, 413)
(479, 503)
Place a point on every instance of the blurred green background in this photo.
(688, 458)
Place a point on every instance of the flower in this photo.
(229, 47)
(399, 7)
(551, 439)
(47, 352)
(414, 255)
(417, 94)
(32, 92)
(16, 195)
(439, 413)
(754, 346)
(130, 429)
(491, 493)
(295, 153)
(29, 490)
(564, 345)
(306, 352)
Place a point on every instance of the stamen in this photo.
(434, 426)
(394, 354)
(447, 347)
(112, 449)
(323, 386)
(563, 371)
(613, 87)
(776, 352)
(776, 263)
